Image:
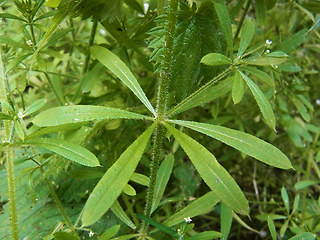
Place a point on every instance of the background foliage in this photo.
(45, 48)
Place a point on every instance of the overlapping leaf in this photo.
(243, 142)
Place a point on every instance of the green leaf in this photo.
(226, 221)
(272, 59)
(215, 176)
(262, 101)
(65, 236)
(262, 76)
(243, 142)
(11, 42)
(215, 59)
(158, 225)
(284, 228)
(304, 184)
(163, 176)
(140, 178)
(207, 235)
(134, 4)
(117, 67)
(225, 23)
(285, 198)
(115, 179)
(209, 94)
(261, 12)
(272, 229)
(304, 236)
(8, 15)
(37, 105)
(110, 232)
(293, 42)
(237, 88)
(129, 190)
(296, 203)
(200, 206)
(66, 149)
(53, 3)
(4, 116)
(81, 113)
(121, 214)
(246, 36)
(19, 129)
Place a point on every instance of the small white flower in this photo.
(103, 32)
(29, 43)
(20, 115)
(91, 234)
(188, 219)
(145, 7)
(268, 42)
(318, 101)
(268, 51)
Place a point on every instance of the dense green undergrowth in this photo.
(145, 119)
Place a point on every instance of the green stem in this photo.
(9, 157)
(244, 14)
(162, 97)
(91, 40)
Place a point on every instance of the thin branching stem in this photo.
(91, 40)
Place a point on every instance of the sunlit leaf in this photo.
(121, 214)
(207, 235)
(272, 229)
(215, 176)
(163, 176)
(37, 105)
(66, 149)
(115, 179)
(246, 36)
(262, 101)
(237, 88)
(285, 198)
(262, 76)
(110, 232)
(81, 113)
(197, 207)
(226, 221)
(215, 59)
(120, 69)
(243, 142)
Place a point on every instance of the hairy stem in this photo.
(162, 96)
(9, 158)
(244, 14)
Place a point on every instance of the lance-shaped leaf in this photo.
(262, 101)
(243, 142)
(226, 221)
(225, 23)
(271, 59)
(114, 180)
(120, 69)
(4, 116)
(237, 88)
(163, 176)
(215, 59)
(204, 96)
(262, 76)
(215, 176)
(66, 149)
(121, 214)
(197, 207)
(81, 113)
(246, 36)
(37, 105)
